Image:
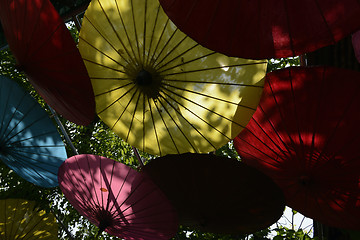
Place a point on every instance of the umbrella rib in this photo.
(133, 115)
(25, 166)
(300, 155)
(126, 34)
(180, 55)
(116, 33)
(135, 30)
(152, 36)
(197, 130)
(95, 200)
(107, 107)
(4, 134)
(165, 45)
(167, 129)
(25, 128)
(325, 21)
(127, 105)
(153, 57)
(104, 54)
(195, 103)
(259, 150)
(282, 118)
(116, 89)
(143, 120)
(154, 126)
(217, 83)
(34, 226)
(209, 69)
(144, 33)
(70, 175)
(271, 139)
(172, 49)
(109, 187)
(121, 188)
(208, 96)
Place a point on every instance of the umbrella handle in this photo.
(138, 157)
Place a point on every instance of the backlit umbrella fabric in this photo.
(217, 194)
(266, 28)
(22, 219)
(305, 136)
(159, 90)
(46, 52)
(29, 141)
(117, 198)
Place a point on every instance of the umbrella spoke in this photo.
(154, 126)
(146, 61)
(211, 68)
(191, 125)
(117, 100)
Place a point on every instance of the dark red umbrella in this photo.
(46, 52)
(217, 194)
(267, 28)
(305, 136)
(356, 44)
(117, 198)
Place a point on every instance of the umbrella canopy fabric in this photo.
(117, 198)
(29, 142)
(305, 136)
(46, 52)
(159, 90)
(217, 194)
(356, 44)
(21, 219)
(267, 28)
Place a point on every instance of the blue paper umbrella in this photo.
(29, 142)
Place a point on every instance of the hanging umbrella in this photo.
(159, 90)
(21, 219)
(46, 52)
(116, 198)
(267, 28)
(29, 142)
(356, 44)
(305, 136)
(217, 194)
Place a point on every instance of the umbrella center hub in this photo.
(148, 81)
(305, 180)
(144, 78)
(105, 219)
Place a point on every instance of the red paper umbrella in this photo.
(46, 52)
(217, 194)
(305, 136)
(267, 28)
(116, 198)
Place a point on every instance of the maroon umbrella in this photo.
(217, 194)
(117, 198)
(305, 136)
(267, 28)
(356, 44)
(46, 52)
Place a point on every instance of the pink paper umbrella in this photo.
(264, 28)
(46, 52)
(117, 198)
(305, 136)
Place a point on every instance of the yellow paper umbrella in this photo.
(158, 89)
(21, 219)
